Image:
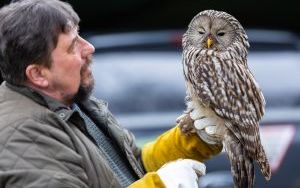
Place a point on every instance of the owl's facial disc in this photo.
(212, 33)
(222, 32)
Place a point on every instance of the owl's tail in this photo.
(242, 167)
(263, 163)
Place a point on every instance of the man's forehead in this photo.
(65, 39)
(70, 26)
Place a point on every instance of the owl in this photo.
(223, 97)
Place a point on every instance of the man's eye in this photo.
(73, 46)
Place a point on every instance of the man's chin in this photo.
(84, 91)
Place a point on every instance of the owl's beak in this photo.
(209, 42)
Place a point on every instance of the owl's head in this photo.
(211, 29)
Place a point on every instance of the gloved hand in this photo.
(182, 173)
(210, 129)
(205, 123)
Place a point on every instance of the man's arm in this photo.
(173, 145)
(161, 159)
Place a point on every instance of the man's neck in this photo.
(55, 94)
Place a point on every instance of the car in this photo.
(140, 75)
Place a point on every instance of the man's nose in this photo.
(88, 48)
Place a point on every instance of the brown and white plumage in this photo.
(221, 88)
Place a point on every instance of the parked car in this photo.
(140, 75)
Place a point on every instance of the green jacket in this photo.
(31, 122)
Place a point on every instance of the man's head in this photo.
(40, 47)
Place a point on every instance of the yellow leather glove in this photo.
(150, 180)
(173, 145)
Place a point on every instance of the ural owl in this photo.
(223, 99)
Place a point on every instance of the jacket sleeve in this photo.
(36, 178)
(34, 156)
(173, 145)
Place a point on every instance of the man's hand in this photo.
(182, 173)
(210, 129)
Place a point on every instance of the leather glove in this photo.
(210, 130)
(206, 124)
(182, 173)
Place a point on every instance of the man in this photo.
(53, 134)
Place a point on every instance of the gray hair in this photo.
(29, 31)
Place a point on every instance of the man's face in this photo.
(70, 67)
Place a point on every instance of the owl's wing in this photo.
(229, 88)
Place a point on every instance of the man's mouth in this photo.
(86, 71)
(86, 68)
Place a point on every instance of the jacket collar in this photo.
(52, 104)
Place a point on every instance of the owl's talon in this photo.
(180, 118)
(187, 129)
(186, 124)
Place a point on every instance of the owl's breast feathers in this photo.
(223, 81)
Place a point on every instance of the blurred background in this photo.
(124, 15)
(137, 68)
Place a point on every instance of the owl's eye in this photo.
(220, 34)
(201, 32)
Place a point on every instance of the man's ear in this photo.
(37, 75)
